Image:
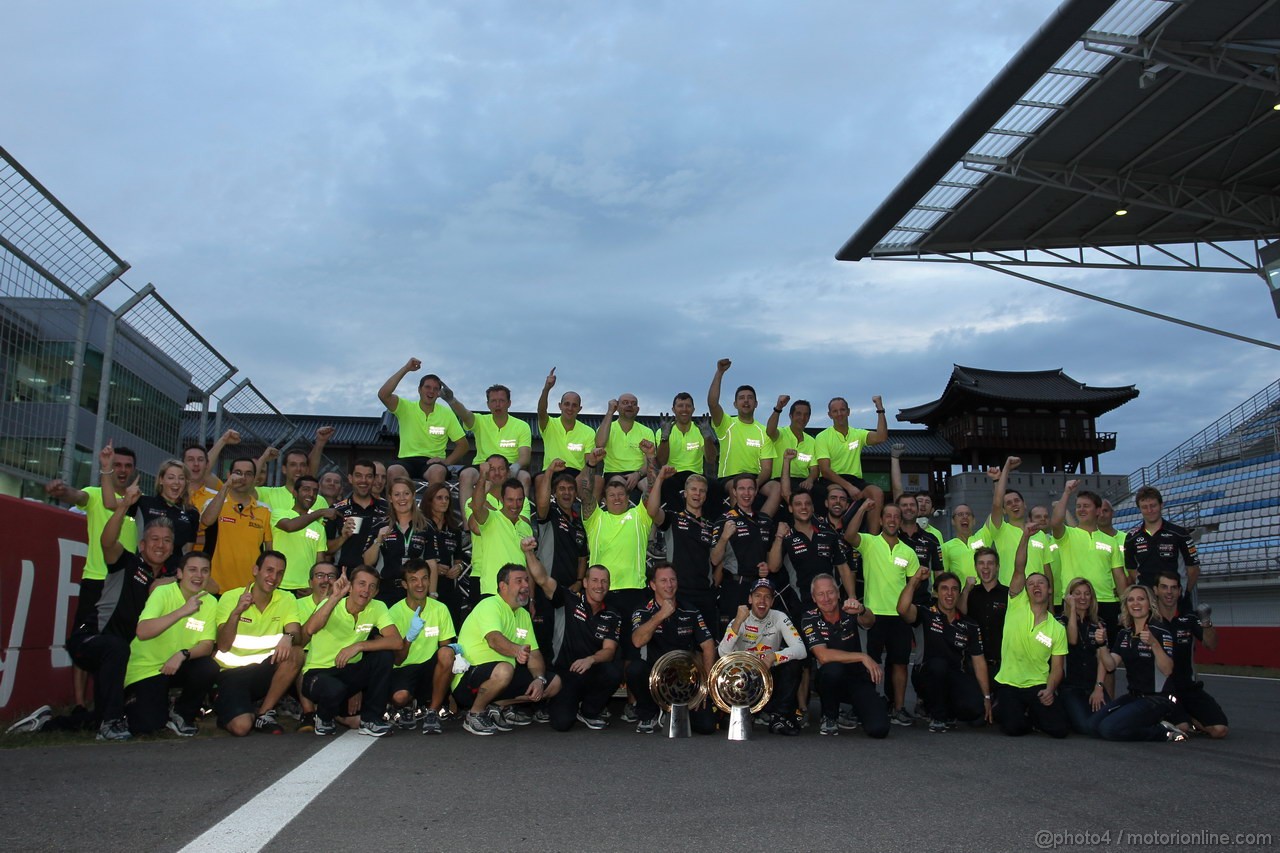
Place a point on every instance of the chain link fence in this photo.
(86, 357)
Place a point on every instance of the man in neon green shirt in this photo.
(496, 536)
(804, 468)
(887, 562)
(506, 666)
(681, 445)
(424, 661)
(321, 579)
(745, 446)
(618, 536)
(1086, 552)
(294, 464)
(957, 552)
(343, 661)
(621, 439)
(1032, 655)
(1003, 530)
(300, 533)
(426, 428)
(564, 437)
(172, 650)
(839, 451)
(259, 645)
(495, 432)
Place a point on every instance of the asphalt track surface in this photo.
(970, 789)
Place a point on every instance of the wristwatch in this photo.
(541, 678)
(186, 653)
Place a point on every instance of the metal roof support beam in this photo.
(1218, 62)
(1125, 306)
(1064, 262)
(1145, 191)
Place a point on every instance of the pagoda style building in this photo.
(1044, 416)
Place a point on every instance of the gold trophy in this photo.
(741, 685)
(677, 681)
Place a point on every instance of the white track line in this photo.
(1245, 677)
(253, 825)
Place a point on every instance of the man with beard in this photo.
(506, 665)
(357, 519)
(343, 661)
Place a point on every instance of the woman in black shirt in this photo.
(404, 536)
(1081, 692)
(1146, 651)
(448, 582)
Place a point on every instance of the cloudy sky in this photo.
(624, 190)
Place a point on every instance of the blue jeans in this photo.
(1131, 718)
(1076, 702)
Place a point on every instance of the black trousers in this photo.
(590, 691)
(146, 702)
(948, 693)
(786, 680)
(1018, 709)
(331, 688)
(702, 721)
(847, 682)
(107, 657)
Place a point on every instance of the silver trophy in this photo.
(677, 681)
(741, 685)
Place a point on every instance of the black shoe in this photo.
(782, 726)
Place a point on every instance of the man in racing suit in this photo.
(769, 635)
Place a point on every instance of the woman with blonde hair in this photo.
(405, 535)
(1146, 651)
(1081, 692)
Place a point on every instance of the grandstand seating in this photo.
(1224, 483)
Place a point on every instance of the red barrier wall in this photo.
(41, 560)
(1243, 646)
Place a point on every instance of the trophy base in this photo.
(678, 721)
(739, 723)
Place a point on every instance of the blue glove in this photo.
(415, 625)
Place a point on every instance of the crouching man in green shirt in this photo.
(342, 661)
(172, 650)
(506, 666)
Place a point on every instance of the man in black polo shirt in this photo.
(986, 603)
(662, 626)
(562, 542)
(99, 642)
(1156, 545)
(742, 548)
(688, 537)
(361, 508)
(805, 549)
(1195, 707)
(584, 651)
(952, 679)
(837, 504)
(843, 672)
